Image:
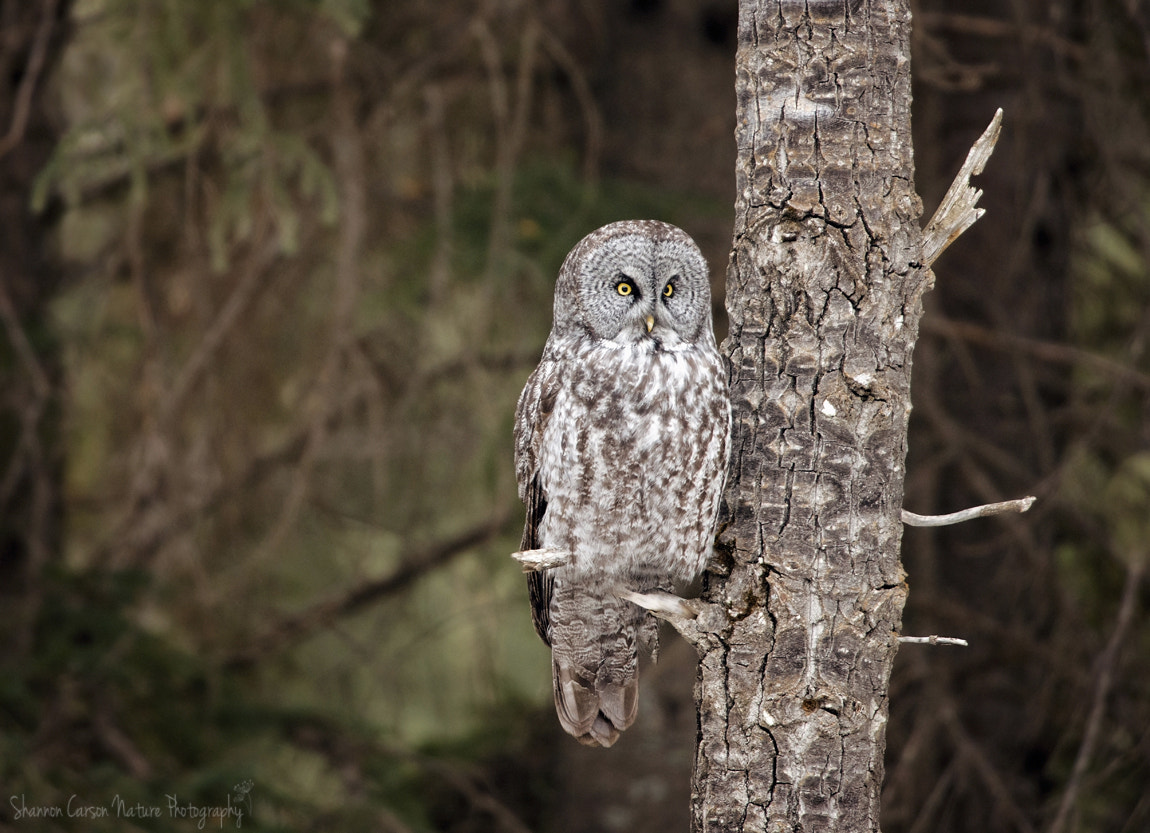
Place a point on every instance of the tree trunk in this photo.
(824, 292)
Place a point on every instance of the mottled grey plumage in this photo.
(621, 443)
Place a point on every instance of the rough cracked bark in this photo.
(824, 294)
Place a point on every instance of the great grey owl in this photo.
(622, 437)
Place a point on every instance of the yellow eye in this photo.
(668, 290)
(623, 288)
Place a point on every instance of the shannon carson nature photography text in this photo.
(172, 807)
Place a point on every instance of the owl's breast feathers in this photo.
(621, 455)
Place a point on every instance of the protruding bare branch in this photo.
(934, 640)
(1020, 505)
(695, 620)
(958, 210)
(663, 605)
(543, 559)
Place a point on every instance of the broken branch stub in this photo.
(542, 559)
(958, 210)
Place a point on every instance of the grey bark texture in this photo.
(824, 291)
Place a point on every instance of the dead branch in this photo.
(664, 605)
(480, 798)
(32, 70)
(349, 165)
(975, 760)
(934, 640)
(1047, 351)
(1020, 505)
(27, 449)
(958, 210)
(29, 457)
(443, 186)
(581, 87)
(348, 754)
(1103, 680)
(987, 27)
(21, 343)
(511, 121)
(417, 563)
(695, 620)
(231, 314)
(543, 559)
(119, 746)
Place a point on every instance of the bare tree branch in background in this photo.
(31, 75)
(1104, 672)
(417, 563)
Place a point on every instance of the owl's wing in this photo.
(540, 583)
(531, 415)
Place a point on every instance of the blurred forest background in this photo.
(272, 274)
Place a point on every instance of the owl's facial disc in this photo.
(639, 287)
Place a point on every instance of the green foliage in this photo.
(1111, 481)
(1111, 291)
(1127, 500)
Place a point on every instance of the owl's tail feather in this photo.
(595, 666)
(594, 715)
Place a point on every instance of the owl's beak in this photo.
(650, 322)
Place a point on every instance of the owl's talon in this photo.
(543, 559)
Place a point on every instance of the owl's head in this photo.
(635, 280)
